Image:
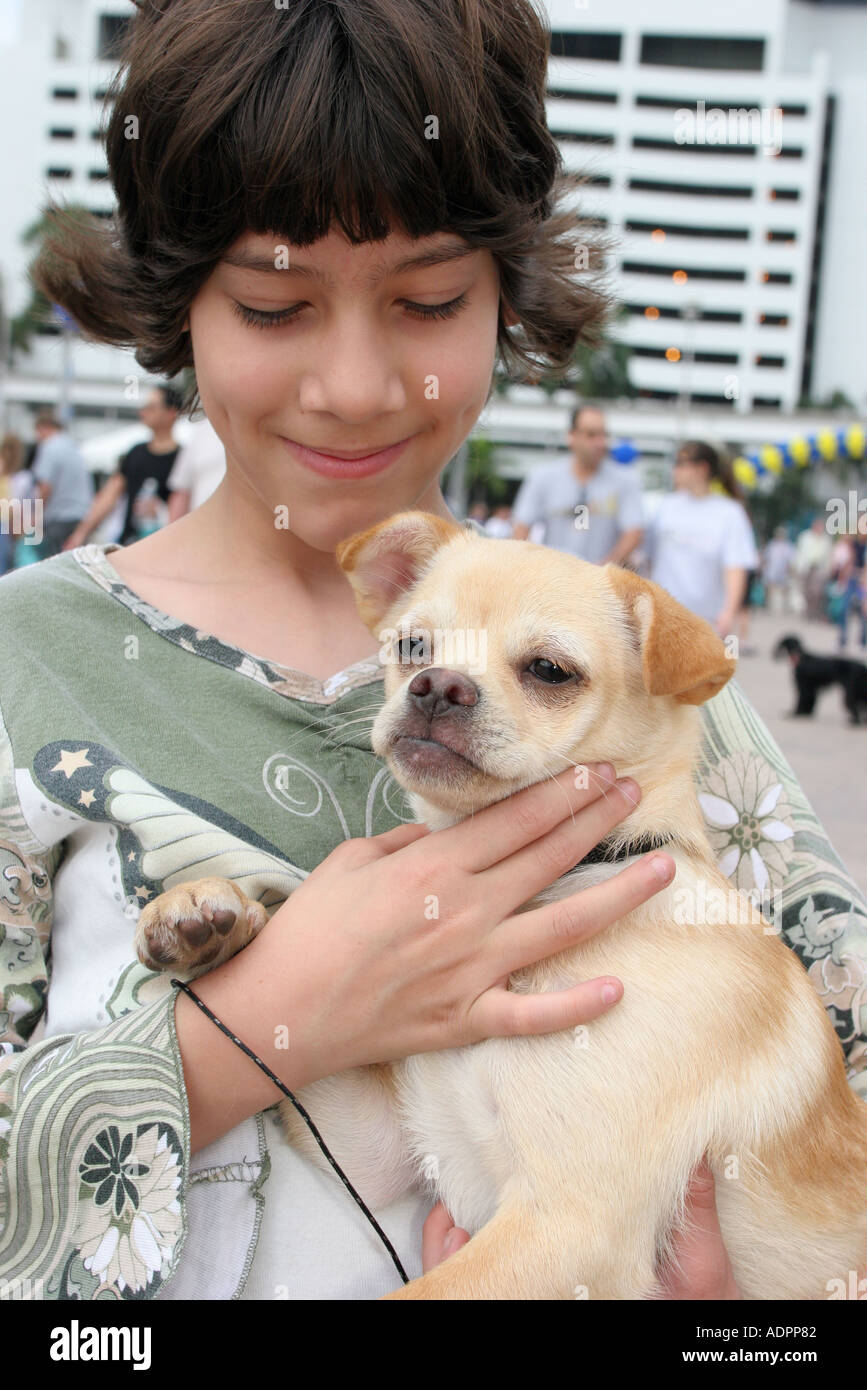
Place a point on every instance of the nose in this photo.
(437, 691)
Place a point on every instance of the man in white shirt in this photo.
(590, 505)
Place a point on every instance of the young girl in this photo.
(336, 213)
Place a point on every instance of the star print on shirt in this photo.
(71, 761)
(164, 836)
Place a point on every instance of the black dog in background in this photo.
(814, 673)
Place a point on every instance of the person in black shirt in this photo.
(153, 460)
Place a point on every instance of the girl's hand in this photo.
(404, 942)
(701, 1268)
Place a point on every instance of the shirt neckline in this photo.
(283, 680)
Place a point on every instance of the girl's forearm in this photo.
(224, 1087)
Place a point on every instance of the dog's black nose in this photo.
(437, 691)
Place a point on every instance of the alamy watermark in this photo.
(463, 647)
(22, 518)
(735, 125)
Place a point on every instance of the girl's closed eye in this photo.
(264, 318)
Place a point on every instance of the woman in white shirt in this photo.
(702, 543)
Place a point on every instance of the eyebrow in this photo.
(437, 255)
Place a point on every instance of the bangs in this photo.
(339, 117)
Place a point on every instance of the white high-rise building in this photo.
(55, 64)
(725, 151)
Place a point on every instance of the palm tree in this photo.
(38, 311)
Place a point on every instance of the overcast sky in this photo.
(9, 10)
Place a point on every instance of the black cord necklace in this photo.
(307, 1120)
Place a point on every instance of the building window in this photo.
(698, 190)
(789, 195)
(774, 320)
(65, 93)
(775, 277)
(679, 229)
(111, 33)
(573, 94)
(788, 238)
(648, 142)
(584, 137)
(689, 103)
(770, 361)
(648, 393)
(61, 48)
(702, 398)
(695, 273)
(58, 173)
(661, 311)
(602, 48)
(680, 51)
(767, 403)
(97, 174)
(62, 133)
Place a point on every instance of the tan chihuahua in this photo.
(566, 1157)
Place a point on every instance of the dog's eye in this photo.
(412, 650)
(545, 670)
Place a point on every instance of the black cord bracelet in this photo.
(307, 1120)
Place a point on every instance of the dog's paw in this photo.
(197, 925)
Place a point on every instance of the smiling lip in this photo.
(346, 465)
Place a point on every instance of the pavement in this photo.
(827, 754)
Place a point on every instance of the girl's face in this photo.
(336, 348)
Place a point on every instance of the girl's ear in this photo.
(385, 561)
(681, 655)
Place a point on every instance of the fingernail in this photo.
(630, 789)
(661, 867)
(610, 993)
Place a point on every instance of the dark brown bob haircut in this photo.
(282, 116)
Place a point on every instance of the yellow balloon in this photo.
(826, 443)
(744, 472)
(856, 441)
(771, 458)
(800, 451)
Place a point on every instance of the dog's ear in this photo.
(681, 655)
(387, 559)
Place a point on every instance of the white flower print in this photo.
(749, 821)
(131, 1207)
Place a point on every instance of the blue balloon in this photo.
(625, 452)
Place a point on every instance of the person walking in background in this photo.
(63, 483)
(702, 544)
(142, 474)
(848, 588)
(813, 567)
(16, 485)
(591, 506)
(777, 563)
(20, 487)
(198, 471)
